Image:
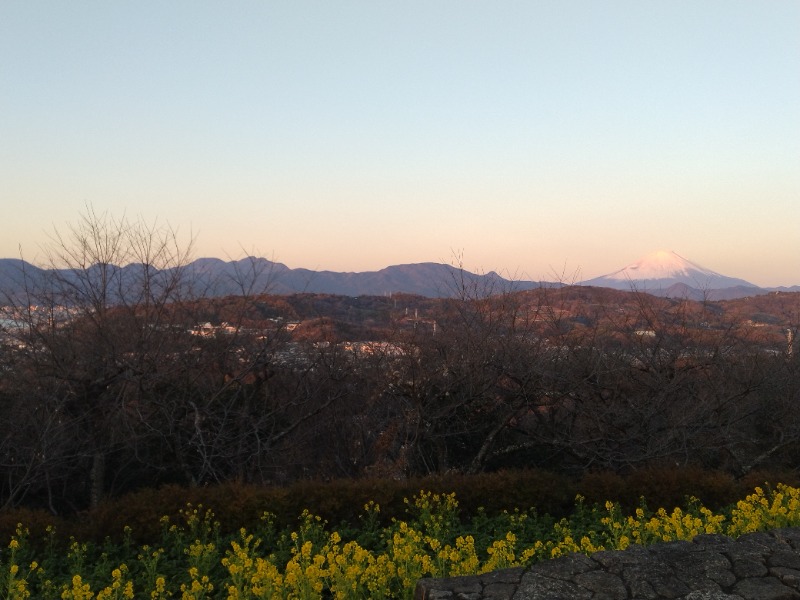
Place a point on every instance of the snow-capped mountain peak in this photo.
(662, 264)
(659, 271)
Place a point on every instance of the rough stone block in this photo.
(658, 576)
(764, 588)
(614, 561)
(566, 567)
(749, 567)
(712, 541)
(784, 558)
(602, 583)
(765, 542)
(499, 591)
(710, 596)
(789, 577)
(534, 585)
(513, 576)
(789, 536)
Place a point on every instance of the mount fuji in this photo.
(666, 273)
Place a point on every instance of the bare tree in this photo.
(98, 328)
(114, 385)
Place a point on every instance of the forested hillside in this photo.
(104, 392)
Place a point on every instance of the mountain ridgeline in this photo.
(661, 273)
(212, 277)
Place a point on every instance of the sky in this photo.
(539, 139)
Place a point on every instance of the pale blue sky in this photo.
(531, 138)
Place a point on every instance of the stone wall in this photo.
(756, 566)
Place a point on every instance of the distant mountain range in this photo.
(214, 277)
(434, 280)
(661, 273)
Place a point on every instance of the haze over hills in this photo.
(661, 273)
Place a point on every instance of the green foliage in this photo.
(192, 558)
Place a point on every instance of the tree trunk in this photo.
(97, 479)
